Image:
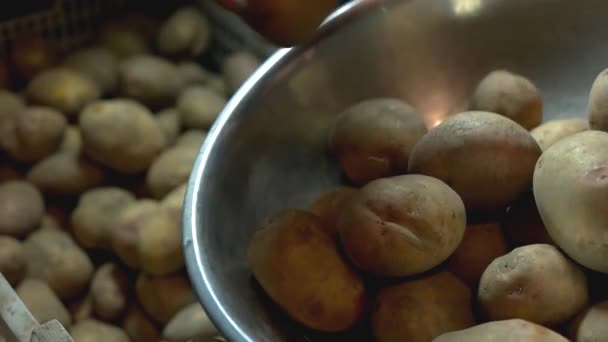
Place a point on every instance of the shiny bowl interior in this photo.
(267, 151)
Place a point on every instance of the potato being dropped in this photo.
(109, 291)
(185, 33)
(151, 80)
(422, 309)
(522, 223)
(91, 330)
(486, 158)
(56, 259)
(237, 68)
(511, 95)
(71, 142)
(199, 107)
(21, 208)
(139, 326)
(553, 131)
(329, 206)
(33, 133)
(298, 265)
(402, 225)
(42, 302)
(98, 63)
(590, 325)
(31, 55)
(482, 243)
(171, 169)
(63, 89)
(65, 174)
(163, 297)
(169, 122)
(190, 322)
(512, 330)
(373, 138)
(535, 283)
(12, 259)
(570, 188)
(121, 134)
(193, 73)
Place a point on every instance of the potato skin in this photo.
(373, 138)
(91, 330)
(42, 302)
(329, 206)
(402, 225)
(199, 107)
(299, 267)
(71, 142)
(189, 323)
(98, 63)
(422, 309)
(109, 291)
(553, 131)
(123, 42)
(512, 330)
(486, 158)
(171, 169)
(65, 174)
(169, 122)
(139, 326)
(185, 33)
(159, 244)
(192, 137)
(193, 73)
(591, 324)
(511, 95)
(12, 259)
(128, 227)
(535, 283)
(21, 208)
(597, 111)
(163, 297)
(570, 188)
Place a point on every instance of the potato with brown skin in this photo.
(402, 225)
(12, 259)
(170, 169)
(91, 330)
(199, 107)
(597, 111)
(151, 80)
(482, 243)
(553, 131)
(422, 309)
(192, 137)
(121, 134)
(94, 217)
(237, 68)
(139, 326)
(570, 185)
(193, 73)
(173, 203)
(65, 174)
(189, 323)
(71, 141)
(55, 258)
(81, 308)
(536, 283)
(123, 41)
(159, 244)
(186, 33)
(486, 158)
(33, 133)
(42, 302)
(590, 325)
(128, 227)
(30, 55)
(169, 122)
(329, 206)
(512, 330)
(98, 63)
(522, 223)
(298, 265)
(63, 89)
(21, 208)
(162, 297)
(109, 291)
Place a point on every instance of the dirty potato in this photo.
(373, 138)
(329, 206)
(190, 322)
(98, 63)
(65, 174)
(163, 297)
(199, 107)
(91, 330)
(12, 259)
(21, 208)
(512, 330)
(42, 302)
(590, 325)
(170, 169)
(185, 33)
(553, 131)
(402, 225)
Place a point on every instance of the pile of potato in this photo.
(96, 148)
(475, 230)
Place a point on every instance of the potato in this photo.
(171, 169)
(511, 95)
(486, 158)
(535, 283)
(33, 133)
(373, 138)
(127, 228)
(512, 330)
(185, 33)
(98, 63)
(482, 243)
(71, 142)
(553, 131)
(91, 330)
(422, 309)
(590, 325)
(151, 80)
(299, 267)
(63, 89)
(570, 189)
(139, 326)
(237, 68)
(21, 208)
(199, 107)
(43, 302)
(55, 258)
(12, 259)
(522, 223)
(169, 122)
(192, 137)
(94, 216)
(30, 55)
(123, 41)
(597, 111)
(121, 134)
(402, 225)
(109, 291)
(159, 244)
(163, 297)
(10, 104)
(190, 322)
(81, 308)
(217, 84)
(173, 203)
(192, 73)
(65, 174)
(329, 206)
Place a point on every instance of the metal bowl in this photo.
(267, 150)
